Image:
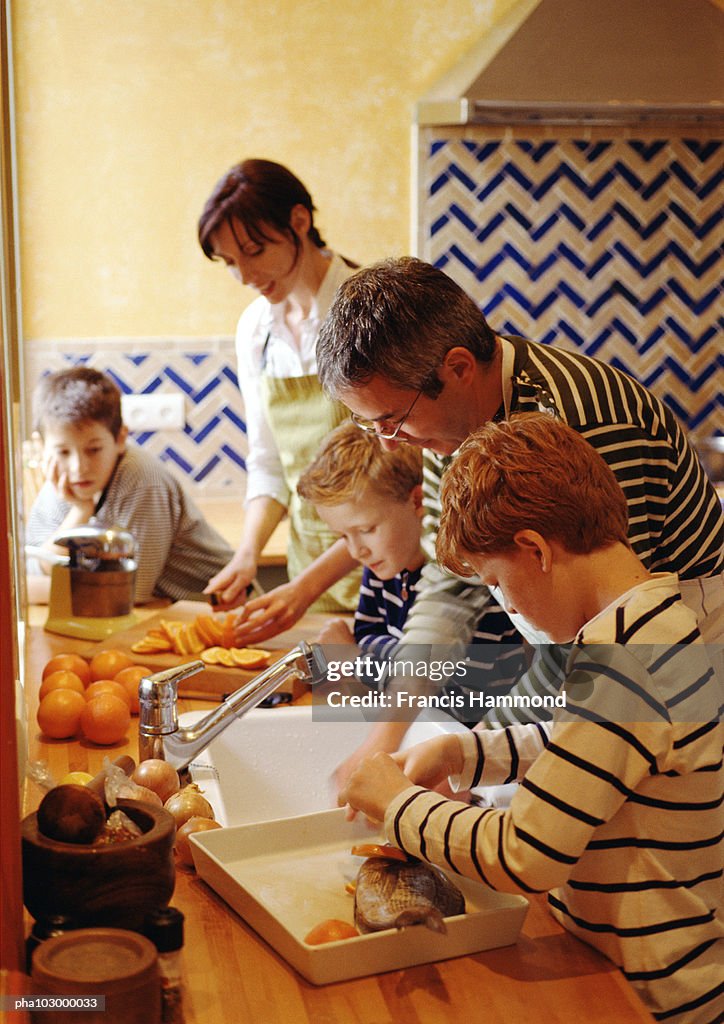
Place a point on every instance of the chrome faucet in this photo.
(159, 734)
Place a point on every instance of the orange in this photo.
(61, 680)
(59, 713)
(331, 930)
(107, 664)
(105, 719)
(130, 678)
(73, 662)
(107, 686)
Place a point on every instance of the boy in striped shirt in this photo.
(619, 812)
(373, 500)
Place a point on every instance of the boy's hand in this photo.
(372, 786)
(385, 736)
(58, 477)
(430, 763)
(272, 613)
(336, 631)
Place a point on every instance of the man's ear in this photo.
(122, 438)
(532, 543)
(459, 363)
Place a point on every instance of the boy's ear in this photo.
(122, 437)
(532, 543)
(416, 496)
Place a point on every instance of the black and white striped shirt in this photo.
(676, 522)
(619, 813)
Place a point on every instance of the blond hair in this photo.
(531, 472)
(350, 460)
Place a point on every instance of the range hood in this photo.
(590, 61)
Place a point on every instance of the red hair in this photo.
(531, 472)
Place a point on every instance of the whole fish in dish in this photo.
(394, 893)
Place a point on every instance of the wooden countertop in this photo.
(547, 977)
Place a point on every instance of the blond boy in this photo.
(373, 500)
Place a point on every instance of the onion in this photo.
(158, 775)
(188, 803)
(183, 846)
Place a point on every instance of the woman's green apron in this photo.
(300, 416)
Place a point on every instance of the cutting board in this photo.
(214, 680)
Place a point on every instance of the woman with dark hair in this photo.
(259, 221)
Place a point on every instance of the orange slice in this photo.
(378, 850)
(170, 628)
(158, 634)
(247, 657)
(180, 645)
(152, 645)
(194, 641)
(210, 631)
(210, 656)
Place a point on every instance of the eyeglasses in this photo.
(372, 426)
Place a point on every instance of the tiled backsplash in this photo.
(610, 246)
(209, 454)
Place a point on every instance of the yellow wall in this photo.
(128, 111)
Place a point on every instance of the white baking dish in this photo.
(285, 876)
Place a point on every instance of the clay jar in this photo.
(80, 968)
(113, 886)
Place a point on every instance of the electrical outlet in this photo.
(160, 411)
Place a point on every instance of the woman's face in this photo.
(271, 268)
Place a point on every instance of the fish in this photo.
(395, 894)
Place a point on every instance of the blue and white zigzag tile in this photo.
(209, 454)
(612, 247)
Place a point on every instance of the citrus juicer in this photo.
(91, 588)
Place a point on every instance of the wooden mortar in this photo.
(112, 886)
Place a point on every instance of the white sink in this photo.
(278, 762)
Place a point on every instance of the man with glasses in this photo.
(385, 431)
(413, 358)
